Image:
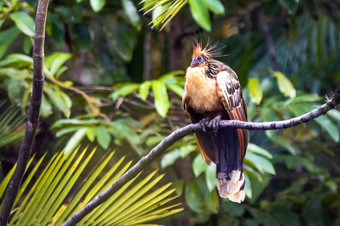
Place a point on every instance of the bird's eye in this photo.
(199, 58)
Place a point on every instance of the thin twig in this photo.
(180, 133)
(33, 114)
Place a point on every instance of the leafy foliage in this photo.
(159, 88)
(97, 129)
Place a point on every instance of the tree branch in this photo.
(180, 133)
(269, 40)
(33, 114)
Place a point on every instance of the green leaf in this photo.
(210, 177)
(258, 150)
(7, 37)
(131, 12)
(66, 130)
(5, 181)
(74, 141)
(58, 98)
(176, 89)
(323, 121)
(285, 86)
(27, 45)
(200, 13)
(46, 107)
(199, 165)
(329, 126)
(162, 103)
(90, 134)
(304, 98)
(247, 189)
(214, 5)
(24, 22)
(124, 90)
(144, 90)
(97, 5)
(187, 149)
(261, 163)
(194, 197)
(255, 90)
(169, 158)
(103, 137)
(54, 61)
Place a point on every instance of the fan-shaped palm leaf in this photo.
(60, 191)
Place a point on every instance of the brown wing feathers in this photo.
(212, 88)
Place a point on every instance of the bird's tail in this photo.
(230, 177)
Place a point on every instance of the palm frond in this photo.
(11, 124)
(164, 10)
(61, 190)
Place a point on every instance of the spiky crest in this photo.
(209, 51)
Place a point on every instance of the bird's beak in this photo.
(194, 63)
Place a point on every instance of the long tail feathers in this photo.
(230, 177)
(232, 186)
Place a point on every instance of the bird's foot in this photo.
(211, 124)
(214, 123)
(204, 123)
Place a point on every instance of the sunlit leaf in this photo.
(144, 90)
(75, 140)
(46, 203)
(210, 177)
(162, 103)
(54, 61)
(255, 90)
(124, 90)
(199, 165)
(285, 86)
(215, 6)
(97, 5)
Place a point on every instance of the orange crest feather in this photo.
(209, 51)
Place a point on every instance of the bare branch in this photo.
(180, 133)
(33, 114)
(269, 40)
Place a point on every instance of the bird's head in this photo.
(201, 56)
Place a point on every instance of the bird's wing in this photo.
(230, 92)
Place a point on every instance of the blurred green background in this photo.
(114, 80)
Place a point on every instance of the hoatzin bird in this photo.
(213, 93)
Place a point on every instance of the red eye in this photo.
(199, 58)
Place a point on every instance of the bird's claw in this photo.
(212, 124)
(204, 123)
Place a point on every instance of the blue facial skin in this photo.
(197, 61)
